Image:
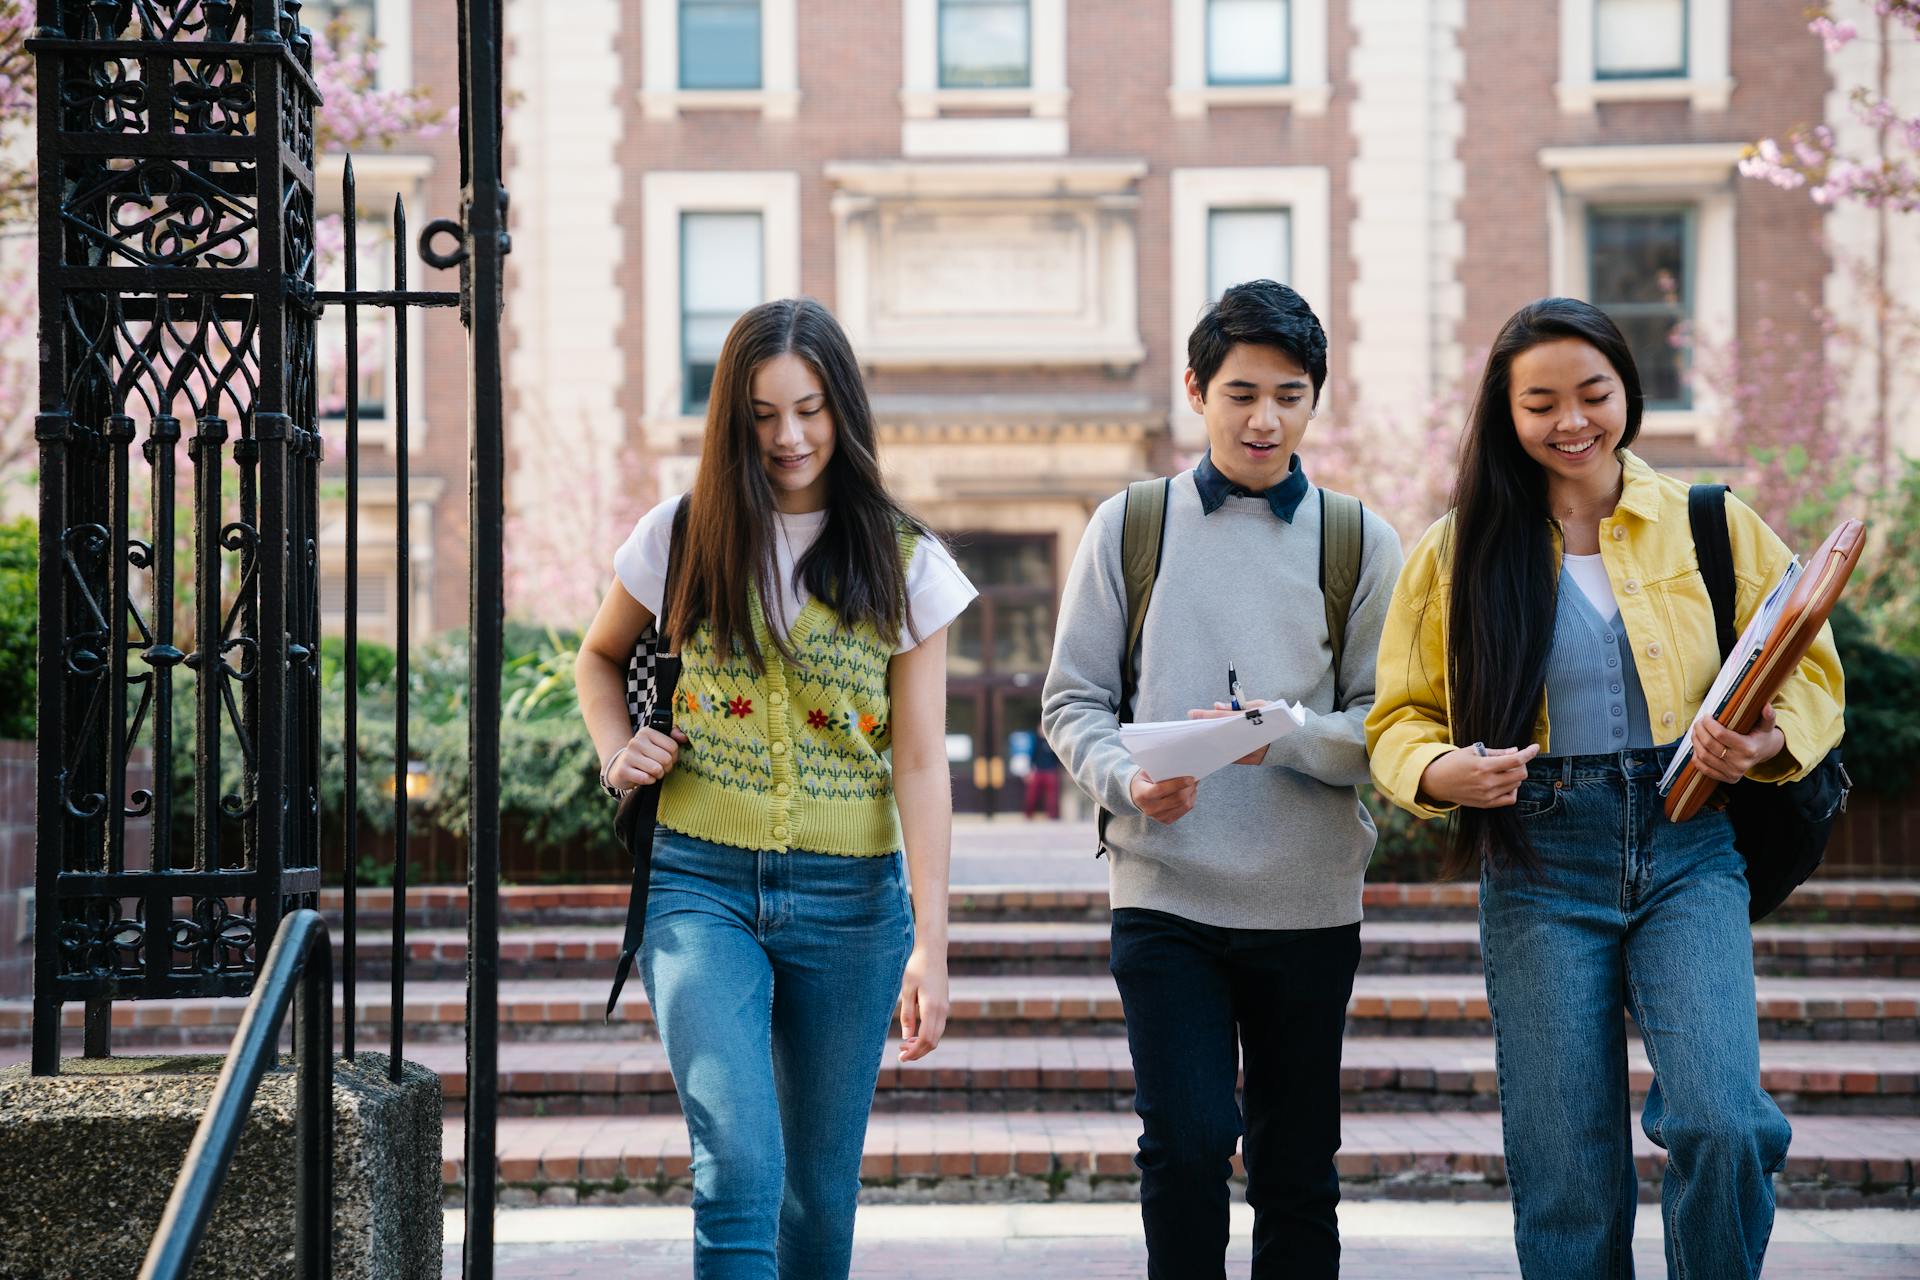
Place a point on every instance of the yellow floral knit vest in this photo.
(791, 758)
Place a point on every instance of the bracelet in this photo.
(606, 786)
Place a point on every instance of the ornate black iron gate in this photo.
(178, 303)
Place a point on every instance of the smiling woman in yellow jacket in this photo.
(1548, 643)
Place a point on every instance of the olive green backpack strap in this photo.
(1342, 542)
(1142, 534)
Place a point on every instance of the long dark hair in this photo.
(1500, 612)
(855, 566)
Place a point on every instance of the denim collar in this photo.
(1215, 488)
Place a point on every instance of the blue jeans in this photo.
(1630, 913)
(773, 978)
(1204, 1004)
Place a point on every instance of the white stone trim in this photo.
(1101, 326)
(566, 367)
(1707, 86)
(1306, 91)
(1863, 242)
(662, 98)
(378, 177)
(1406, 183)
(393, 31)
(665, 195)
(1701, 175)
(1305, 191)
(927, 132)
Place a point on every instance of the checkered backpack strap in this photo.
(642, 679)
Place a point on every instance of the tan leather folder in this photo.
(1805, 612)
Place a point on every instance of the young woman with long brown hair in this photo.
(810, 613)
(1549, 643)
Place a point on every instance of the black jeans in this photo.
(1193, 994)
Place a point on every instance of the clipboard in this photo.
(1801, 617)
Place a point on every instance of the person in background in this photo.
(1043, 780)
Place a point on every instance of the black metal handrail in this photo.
(301, 953)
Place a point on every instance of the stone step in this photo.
(1095, 1073)
(1835, 1161)
(1382, 1004)
(1038, 947)
(444, 906)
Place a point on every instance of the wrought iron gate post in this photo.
(176, 154)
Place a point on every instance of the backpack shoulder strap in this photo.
(1142, 537)
(1342, 543)
(1713, 549)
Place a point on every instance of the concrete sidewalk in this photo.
(1102, 1242)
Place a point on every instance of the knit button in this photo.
(1667, 720)
(1653, 650)
(1608, 638)
(779, 833)
(1619, 533)
(1614, 687)
(776, 699)
(1619, 710)
(1612, 661)
(779, 748)
(1618, 732)
(1633, 585)
(782, 789)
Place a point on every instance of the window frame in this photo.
(1689, 281)
(1683, 72)
(1215, 81)
(1305, 191)
(1706, 84)
(662, 95)
(940, 8)
(687, 404)
(1214, 212)
(1307, 89)
(759, 54)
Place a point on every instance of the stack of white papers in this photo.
(1195, 748)
(1744, 655)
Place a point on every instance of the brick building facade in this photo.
(1017, 207)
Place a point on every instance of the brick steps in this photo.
(1094, 1073)
(1393, 1004)
(444, 906)
(588, 952)
(1835, 1160)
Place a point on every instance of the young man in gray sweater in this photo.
(1236, 899)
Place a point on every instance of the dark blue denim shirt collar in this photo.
(1215, 488)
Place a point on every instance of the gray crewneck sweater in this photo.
(1279, 845)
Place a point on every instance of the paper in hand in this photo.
(1195, 748)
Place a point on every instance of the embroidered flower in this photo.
(709, 704)
(740, 708)
(869, 723)
(816, 719)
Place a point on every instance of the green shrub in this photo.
(1882, 745)
(19, 625)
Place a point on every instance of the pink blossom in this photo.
(1836, 35)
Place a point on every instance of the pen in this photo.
(1233, 686)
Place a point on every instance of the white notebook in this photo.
(1195, 748)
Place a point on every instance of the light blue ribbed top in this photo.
(1594, 699)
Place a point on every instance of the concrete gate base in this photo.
(89, 1157)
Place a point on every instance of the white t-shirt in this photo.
(937, 592)
(1591, 575)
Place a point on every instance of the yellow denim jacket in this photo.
(1647, 548)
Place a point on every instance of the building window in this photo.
(1247, 42)
(1640, 272)
(359, 16)
(1247, 244)
(985, 44)
(719, 44)
(375, 325)
(1638, 39)
(721, 275)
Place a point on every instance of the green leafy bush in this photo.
(1882, 747)
(19, 625)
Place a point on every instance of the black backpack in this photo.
(1780, 829)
